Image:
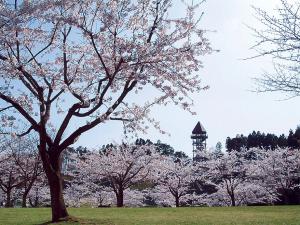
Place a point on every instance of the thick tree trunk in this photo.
(24, 198)
(232, 197)
(59, 210)
(8, 199)
(52, 168)
(51, 158)
(120, 198)
(177, 201)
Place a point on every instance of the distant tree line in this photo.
(162, 148)
(268, 141)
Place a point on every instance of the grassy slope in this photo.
(280, 215)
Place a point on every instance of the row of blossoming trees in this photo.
(138, 175)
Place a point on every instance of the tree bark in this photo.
(52, 168)
(24, 198)
(8, 199)
(59, 210)
(177, 201)
(120, 198)
(232, 197)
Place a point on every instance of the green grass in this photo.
(277, 215)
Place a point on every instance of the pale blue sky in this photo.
(228, 107)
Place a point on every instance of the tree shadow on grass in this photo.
(68, 220)
(75, 221)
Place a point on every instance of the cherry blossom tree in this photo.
(39, 194)
(69, 62)
(80, 189)
(236, 179)
(83, 187)
(118, 168)
(28, 164)
(82, 194)
(20, 166)
(228, 173)
(174, 179)
(246, 194)
(279, 171)
(10, 177)
(161, 197)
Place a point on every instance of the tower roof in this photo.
(199, 129)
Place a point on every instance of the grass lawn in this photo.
(277, 215)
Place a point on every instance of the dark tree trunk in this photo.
(27, 187)
(120, 198)
(177, 201)
(24, 198)
(52, 168)
(59, 210)
(8, 199)
(232, 197)
(27, 190)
